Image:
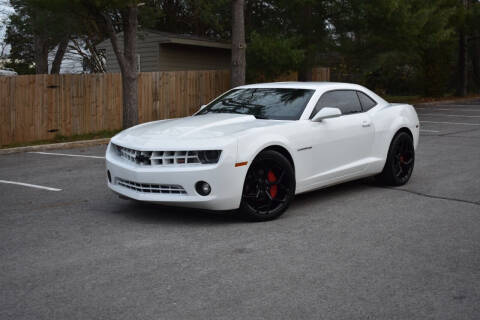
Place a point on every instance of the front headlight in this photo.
(209, 156)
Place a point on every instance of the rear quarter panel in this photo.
(388, 120)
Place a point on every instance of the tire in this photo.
(400, 161)
(269, 187)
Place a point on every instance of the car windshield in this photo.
(263, 103)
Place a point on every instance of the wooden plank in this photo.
(12, 109)
(5, 111)
(33, 105)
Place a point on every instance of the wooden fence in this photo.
(37, 107)
(318, 74)
(321, 74)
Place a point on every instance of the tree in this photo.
(396, 46)
(110, 18)
(209, 18)
(271, 56)
(462, 49)
(238, 43)
(473, 24)
(34, 29)
(127, 60)
(294, 34)
(467, 25)
(19, 36)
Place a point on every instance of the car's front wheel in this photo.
(400, 161)
(269, 187)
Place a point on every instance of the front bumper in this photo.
(225, 179)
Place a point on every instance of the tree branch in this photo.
(114, 40)
(57, 61)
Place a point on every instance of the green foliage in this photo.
(399, 46)
(392, 46)
(290, 34)
(19, 35)
(40, 20)
(269, 56)
(199, 17)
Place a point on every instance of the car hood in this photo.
(209, 129)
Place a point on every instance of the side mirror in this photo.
(327, 113)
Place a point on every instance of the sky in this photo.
(5, 10)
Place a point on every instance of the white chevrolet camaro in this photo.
(256, 146)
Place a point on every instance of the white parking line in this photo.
(446, 109)
(447, 115)
(459, 123)
(68, 155)
(468, 110)
(460, 105)
(30, 185)
(425, 130)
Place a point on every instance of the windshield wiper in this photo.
(231, 102)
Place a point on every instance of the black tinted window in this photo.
(367, 102)
(263, 103)
(346, 100)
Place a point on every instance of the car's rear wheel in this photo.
(400, 161)
(269, 187)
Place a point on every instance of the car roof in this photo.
(303, 85)
(323, 86)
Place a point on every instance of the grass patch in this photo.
(60, 138)
(402, 99)
(420, 99)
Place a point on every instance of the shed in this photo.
(164, 51)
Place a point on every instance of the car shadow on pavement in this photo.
(335, 191)
(150, 213)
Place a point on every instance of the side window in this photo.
(346, 100)
(367, 102)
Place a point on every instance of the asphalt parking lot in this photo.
(355, 251)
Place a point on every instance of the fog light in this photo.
(203, 188)
(109, 176)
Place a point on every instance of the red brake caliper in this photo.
(273, 189)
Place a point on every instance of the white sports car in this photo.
(256, 146)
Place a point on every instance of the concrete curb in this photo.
(446, 101)
(60, 146)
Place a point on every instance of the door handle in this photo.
(366, 123)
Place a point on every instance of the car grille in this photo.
(151, 188)
(157, 158)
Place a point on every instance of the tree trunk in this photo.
(238, 43)
(41, 55)
(462, 65)
(305, 72)
(129, 72)
(462, 57)
(475, 58)
(57, 62)
(128, 62)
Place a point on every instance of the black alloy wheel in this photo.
(269, 187)
(400, 161)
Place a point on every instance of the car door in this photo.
(340, 146)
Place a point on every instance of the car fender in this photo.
(387, 124)
(249, 146)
